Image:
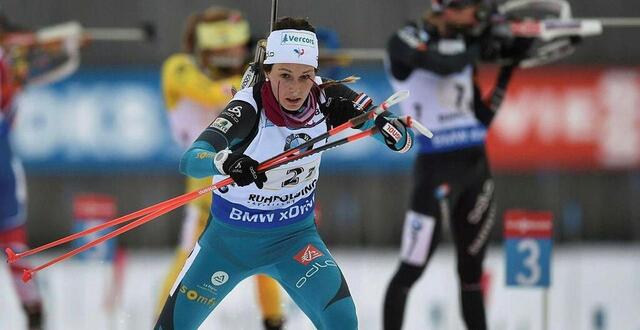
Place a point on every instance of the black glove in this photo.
(244, 170)
(339, 110)
(396, 135)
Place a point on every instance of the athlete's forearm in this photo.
(485, 110)
(197, 162)
(482, 111)
(500, 89)
(230, 129)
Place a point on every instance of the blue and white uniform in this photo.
(439, 73)
(445, 105)
(288, 195)
(36, 64)
(13, 198)
(12, 188)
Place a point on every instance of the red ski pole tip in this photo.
(27, 275)
(11, 256)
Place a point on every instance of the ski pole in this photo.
(183, 199)
(28, 273)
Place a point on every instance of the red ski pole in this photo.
(28, 273)
(265, 166)
(183, 199)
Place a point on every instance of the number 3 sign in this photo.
(528, 247)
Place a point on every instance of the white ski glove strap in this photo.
(220, 158)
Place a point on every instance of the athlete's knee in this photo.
(406, 275)
(340, 315)
(420, 237)
(469, 272)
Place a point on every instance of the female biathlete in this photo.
(265, 222)
(197, 85)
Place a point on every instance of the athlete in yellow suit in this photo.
(197, 85)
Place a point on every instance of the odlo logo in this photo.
(219, 278)
(315, 268)
(392, 132)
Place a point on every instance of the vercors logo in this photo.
(302, 39)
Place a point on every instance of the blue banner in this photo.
(114, 120)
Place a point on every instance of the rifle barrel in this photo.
(618, 21)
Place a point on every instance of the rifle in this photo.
(545, 30)
(253, 73)
(546, 27)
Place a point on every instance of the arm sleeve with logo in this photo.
(229, 129)
(359, 103)
(405, 56)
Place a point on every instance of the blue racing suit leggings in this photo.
(294, 255)
(12, 207)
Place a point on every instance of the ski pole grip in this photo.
(11, 256)
(421, 128)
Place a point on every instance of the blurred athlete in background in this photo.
(26, 58)
(197, 85)
(435, 59)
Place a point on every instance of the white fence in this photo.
(593, 287)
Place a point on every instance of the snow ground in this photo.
(593, 287)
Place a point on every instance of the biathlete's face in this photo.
(221, 63)
(291, 84)
(227, 58)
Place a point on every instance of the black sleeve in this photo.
(340, 90)
(404, 58)
(482, 111)
(486, 110)
(234, 124)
